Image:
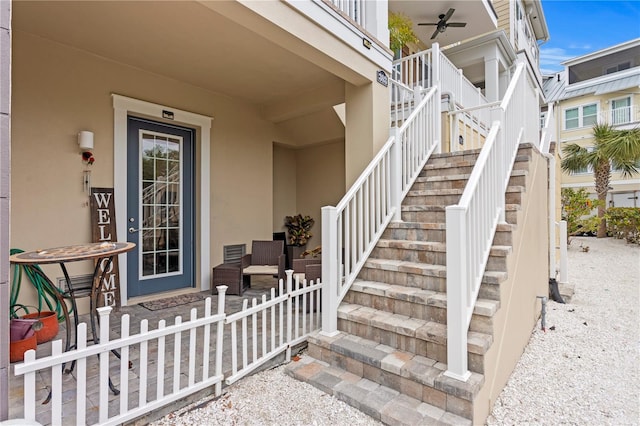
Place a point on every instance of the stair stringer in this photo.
(527, 267)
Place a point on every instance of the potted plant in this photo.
(400, 32)
(298, 228)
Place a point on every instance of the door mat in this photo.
(171, 302)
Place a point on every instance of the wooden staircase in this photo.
(390, 354)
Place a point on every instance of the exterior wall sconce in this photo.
(85, 142)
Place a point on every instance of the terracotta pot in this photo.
(49, 328)
(17, 348)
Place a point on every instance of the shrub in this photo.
(624, 222)
(577, 208)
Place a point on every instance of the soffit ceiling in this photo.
(182, 40)
(476, 13)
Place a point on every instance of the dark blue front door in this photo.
(160, 209)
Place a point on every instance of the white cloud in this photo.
(551, 57)
(581, 46)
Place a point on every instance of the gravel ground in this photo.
(584, 370)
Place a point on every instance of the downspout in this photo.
(551, 160)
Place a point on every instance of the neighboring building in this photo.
(213, 120)
(600, 87)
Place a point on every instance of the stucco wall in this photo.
(284, 185)
(58, 91)
(305, 180)
(528, 278)
(321, 182)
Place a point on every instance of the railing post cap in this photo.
(104, 310)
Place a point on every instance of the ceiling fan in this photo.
(442, 24)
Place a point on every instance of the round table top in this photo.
(72, 253)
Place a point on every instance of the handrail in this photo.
(403, 102)
(548, 131)
(471, 224)
(351, 229)
(475, 108)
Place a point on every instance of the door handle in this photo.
(132, 230)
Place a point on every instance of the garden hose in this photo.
(46, 292)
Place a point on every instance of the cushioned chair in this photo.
(300, 266)
(266, 258)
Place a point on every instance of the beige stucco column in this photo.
(366, 128)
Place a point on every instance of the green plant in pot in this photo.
(400, 32)
(298, 228)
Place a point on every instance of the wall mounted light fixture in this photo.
(85, 142)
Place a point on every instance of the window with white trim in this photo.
(581, 116)
(621, 110)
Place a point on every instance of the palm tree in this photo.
(619, 149)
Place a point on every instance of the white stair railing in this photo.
(416, 70)
(351, 229)
(471, 224)
(403, 101)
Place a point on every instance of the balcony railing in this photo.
(620, 116)
(354, 9)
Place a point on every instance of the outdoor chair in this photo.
(308, 269)
(229, 273)
(300, 266)
(266, 258)
(313, 272)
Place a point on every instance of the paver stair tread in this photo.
(502, 227)
(408, 267)
(380, 402)
(484, 307)
(444, 178)
(477, 343)
(416, 225)
(418, 368)
(443, 192)
(496, 250)
(434, 192)
(492, 277)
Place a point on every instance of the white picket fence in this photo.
(148, 363)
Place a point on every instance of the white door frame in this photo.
(122, 106)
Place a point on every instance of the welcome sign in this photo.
(103, 228)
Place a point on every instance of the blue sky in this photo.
(580, 27)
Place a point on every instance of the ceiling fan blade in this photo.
(428, 23)
(435, 33)
(448, 14)
(457, 24)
